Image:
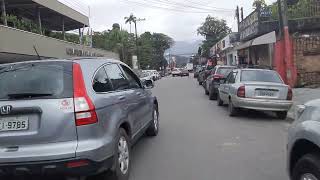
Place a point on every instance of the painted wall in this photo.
(14, 41)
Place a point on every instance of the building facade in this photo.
(26, 28)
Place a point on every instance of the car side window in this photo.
(101, 82)
(134, 81)
(232, 79)
(228, 78)
(117, 78)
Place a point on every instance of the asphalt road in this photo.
(199, 141)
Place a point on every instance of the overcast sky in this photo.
(181, 26)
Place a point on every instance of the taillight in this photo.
(217, 76)
(241, 92)
(290, 94)
(84, 109)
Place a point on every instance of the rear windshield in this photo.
(36, 80)
(224, 70)
(261, 76)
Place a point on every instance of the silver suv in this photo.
(304, 143)
(72, 117)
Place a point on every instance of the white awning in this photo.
(264, 39)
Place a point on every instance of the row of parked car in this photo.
(247, 88)
(263, 89)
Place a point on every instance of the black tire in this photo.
(212, 95)
(282, 114)
(308, 164)
(205, 91)
(233, 111)
(219, 101)
(115, 171)
(153, 129)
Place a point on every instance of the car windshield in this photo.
(260, 76)
(34, 80)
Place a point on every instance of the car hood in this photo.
(314, 103)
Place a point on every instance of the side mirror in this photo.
(148, 84)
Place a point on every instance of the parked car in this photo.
(184, 72)
(72, 117)
(154, 73)
(197, 71)
(203, 76)
(303, 146)
(146, 76)
(257, 89)
(214, 79)
(176, 72)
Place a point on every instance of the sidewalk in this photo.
(301, 96)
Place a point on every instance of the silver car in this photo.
(257, 89)
(304, 143)
(72, 117)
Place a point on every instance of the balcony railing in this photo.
(304, 9)
(303, 15)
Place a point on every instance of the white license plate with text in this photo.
(14, 124)
(268, 93)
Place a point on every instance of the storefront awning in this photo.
(264, 39)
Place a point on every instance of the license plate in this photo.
(14, 124)
(267, 93)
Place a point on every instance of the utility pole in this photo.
(4, 14)
(291, 74)
(136, 30)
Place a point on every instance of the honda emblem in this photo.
(4, 110)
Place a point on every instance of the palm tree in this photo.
(131, 19)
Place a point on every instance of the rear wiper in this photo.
(28, 95)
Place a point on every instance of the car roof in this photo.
(75, 59)
(254, 69)
(219, 66)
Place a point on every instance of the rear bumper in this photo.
(58, 167)
(262, 104)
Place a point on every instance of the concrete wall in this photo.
(16, 41)
(306, 55)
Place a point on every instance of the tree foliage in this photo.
(213, 30)
(151, 46)
(256, 3)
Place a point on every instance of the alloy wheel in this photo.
(123, 157)
(308, 176)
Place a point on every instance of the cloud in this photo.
(180, 26)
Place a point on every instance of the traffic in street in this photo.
(198, 139)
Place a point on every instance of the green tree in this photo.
(213, 30)
(256, 3)
(152, 48)
(116, 40)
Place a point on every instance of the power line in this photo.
(164, 8)
(168, 3)
(196, 5)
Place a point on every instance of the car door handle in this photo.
(139, 93)
(122, 98)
